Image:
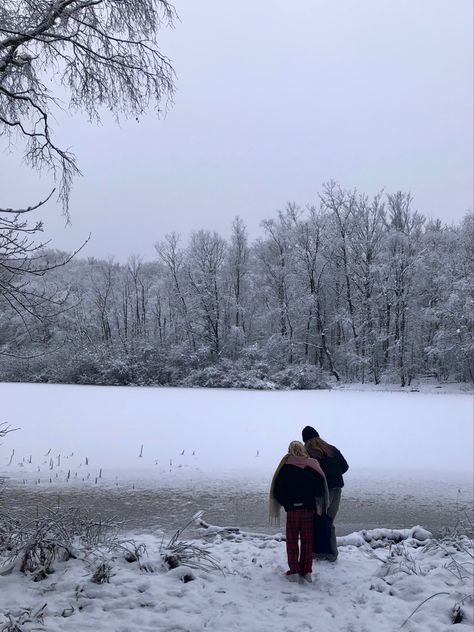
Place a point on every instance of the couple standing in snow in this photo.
(308, 483)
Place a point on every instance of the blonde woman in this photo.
(297, 482)
(334, 465)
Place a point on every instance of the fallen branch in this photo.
(230, 533)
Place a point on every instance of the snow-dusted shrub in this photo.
(35, 546)
(58, 367)
(211, 376)
(253, 358)
(8, 528)
(178, 552)
(85, 369)
(59, 535)
(182, 360)
(118, 371)
(14, 370)
(15, 622)
(168, 367)
(276, 352)
(226, 375)
(300, 377)
(183, 357)
(252, 355)
(102, 365)
(102, 573)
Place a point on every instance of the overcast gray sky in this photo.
(273, 99)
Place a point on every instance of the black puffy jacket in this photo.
(297, 487)
(333, 466)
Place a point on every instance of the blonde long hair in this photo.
(316, 444)
(296, 448)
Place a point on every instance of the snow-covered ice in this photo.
(198, 432)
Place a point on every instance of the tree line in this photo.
(352, 288)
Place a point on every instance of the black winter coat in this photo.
(333, 466)
(297, 487)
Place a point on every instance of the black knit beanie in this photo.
(309, 433)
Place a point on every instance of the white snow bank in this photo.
(381, 537)
(374, 537)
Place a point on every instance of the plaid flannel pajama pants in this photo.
(299, 524)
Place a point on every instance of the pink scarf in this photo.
(305, 461)
(300, 461)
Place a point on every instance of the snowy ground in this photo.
(367, 590)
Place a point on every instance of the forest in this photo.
(351, 289)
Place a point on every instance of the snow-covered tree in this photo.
(280, 310)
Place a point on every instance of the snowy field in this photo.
(417, 584)
(181, 447)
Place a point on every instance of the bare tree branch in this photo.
(104, 53)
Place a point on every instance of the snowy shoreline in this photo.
(417, 386)
(371, 499)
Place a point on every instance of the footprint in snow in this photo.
(292, 598)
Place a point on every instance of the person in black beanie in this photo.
(334, 465)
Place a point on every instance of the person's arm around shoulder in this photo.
(318, 483)
(344, 465)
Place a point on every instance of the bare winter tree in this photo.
(341, 204)
(21, 260)
(275, 256)
(93, 54)
(238, 268)
(173, 257)
(404, 252)
(206, 255)
(99, 53)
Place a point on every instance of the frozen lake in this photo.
(216, 450)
